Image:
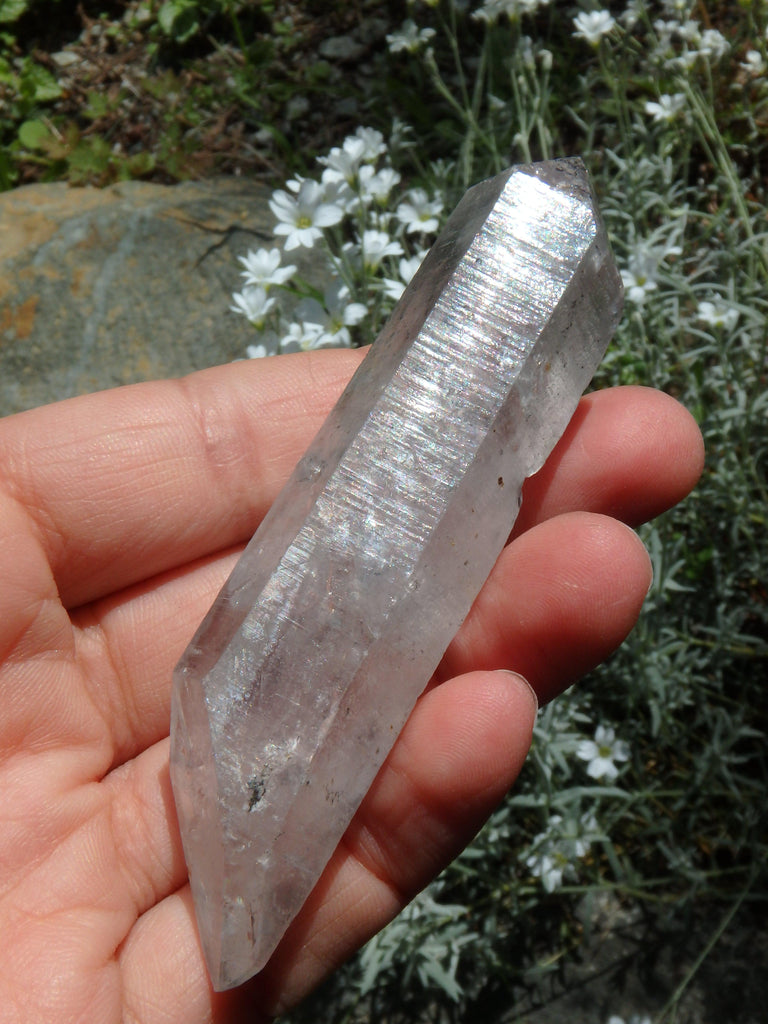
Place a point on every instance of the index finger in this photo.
(124, 484)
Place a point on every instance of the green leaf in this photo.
(12, 10)
(34, 134)
(7, 73)
(8, 174)
(140, 164)
(167, 15)
(431, 970)
(38, 84)
(89, 160)
(178, 19)
(99, 104)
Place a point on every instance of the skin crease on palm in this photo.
(121, 514)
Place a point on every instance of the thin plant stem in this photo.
(718, 933)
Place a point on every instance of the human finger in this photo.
(628, 452)
(124, 484)
(561, 598)
(460, 751)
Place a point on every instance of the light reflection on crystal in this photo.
(298, 681)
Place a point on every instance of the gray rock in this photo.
(100, 287)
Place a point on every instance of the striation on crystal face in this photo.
(304, 671)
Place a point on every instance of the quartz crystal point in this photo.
(307, 666)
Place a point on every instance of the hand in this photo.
(121, 514)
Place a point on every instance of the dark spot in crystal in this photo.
(256, 788)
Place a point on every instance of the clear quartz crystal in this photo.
(301, 676)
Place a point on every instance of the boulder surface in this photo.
(100, 287)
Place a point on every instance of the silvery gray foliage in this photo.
(650, 103)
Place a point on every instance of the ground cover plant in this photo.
(104, 90)
(648, 782)
(646, 788)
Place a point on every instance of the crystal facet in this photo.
(307, 666)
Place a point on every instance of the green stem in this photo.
(748, 652)
(712, 140)
(481, 89)
(238, 32)
(465, 116)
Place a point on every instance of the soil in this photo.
(202, 108)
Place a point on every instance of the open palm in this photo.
(120, 516)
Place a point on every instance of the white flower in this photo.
(493, 9)
(632, 13)
(588, 829)
(689, 31)
(717, 314)
(392, 289)
(257, 351)
(377, 185)
(667, 108)
(710, 44)
(262, 267)
(753, 63)
(337, 191)
(302, 218)
(372, 142)
(409, 37)
(419, 213)
(376, 245)
(640, 277)
(601, 752)
(253, 303)
(408, 267)
(593, 25)
(549, 867)
(333, 317)
(344, 162)
(301, 336)
(526, 53)
(294, 184)
(713, 44)
(637, 285)
(665, 31)
(555, 851)
(267, 345)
